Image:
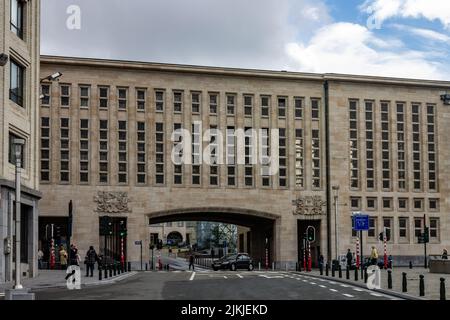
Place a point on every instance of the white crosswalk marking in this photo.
(240, 276)
(333, 290)
(312, 282)
(348, 295)
(322, 286)
(376, 294)
(359, 290)
(192, 276)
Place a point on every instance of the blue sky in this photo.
(399, 38)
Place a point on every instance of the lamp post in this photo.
(336, 233)
(18, 146)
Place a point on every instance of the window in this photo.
(401, 147)
(45, 91)
(370, 171)
(371, 203)
(213, 168)
(385, 150)
(372, 228)
(431, 132)
(403, 204)
(103, 93)
(387, 203)
(231, 104)
(403, 228)
(434, 228)
(418, 204)
(140, 99)
(45, 149)
(159, 101)
(84, 150)
(195, 102)
(265, 107)
(196, 143)
(123, 152)
(177, 102)
(103, 152)
(416, 147)
(177, 168)
(16, 84)
(354, 232)
(298, 102)
(231, 156)
(12, 150)
(433, 204)
(122, 96)
(354, 158)
(84, 96)
(248, 105)
(265, 157)
(248, 174)
(213, 101)
(315, 105)
(316, 172)
(281, 107)
(141, 154)
(17, 17)
(64, 150)
(387, 224)
(64, 95)
(418, 227)
(355, 203)
(282, 150)
(159, 135)
(299, 165)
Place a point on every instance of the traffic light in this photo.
(122, 228)
(426, 235)
(381, 236)
(311, 234)
(159, 244)
(106, 226)
(388, 235)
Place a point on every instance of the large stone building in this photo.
(19, 109)
(106, 145)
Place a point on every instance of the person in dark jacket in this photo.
(73, 255)
(349, 258)
(91, 259)
(191, 261)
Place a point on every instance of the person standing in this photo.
(63, 258)
(374, 256)
(191, 261)
(40, 258)
(349, 259)
(445, 254)
(74, 255)
(91, 259)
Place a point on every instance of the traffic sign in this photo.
(138, 243)
(360, 222)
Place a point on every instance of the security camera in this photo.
(54, 76)
(3, 59)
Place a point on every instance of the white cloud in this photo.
(382, 10)
(353, 49)
(424, 33)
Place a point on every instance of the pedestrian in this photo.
(63, 257)
(349, 259)
(444, 254)
(374, 256)
(321, 262)
(390, 262)
(90, 260)
(74, 255)
(40, 258)
(191, 261)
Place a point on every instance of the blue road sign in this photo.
(361, 222)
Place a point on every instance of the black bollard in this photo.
(404, 282)
(347, 273)
(356, 274)
(389, 279)
(327, 267)
(421, 286)
(118, 268)
(321, 269)
(365, 275)
(442, 291)
(99, 273)
(129, 266)
(296, 266)
(110, 271)
(146, 266)
(340, 271)
(410, 265)
(332, 271)
(122, 269)
(114, 269)
(106, 271)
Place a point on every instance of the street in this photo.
(221, 285)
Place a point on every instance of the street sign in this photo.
(138, 243)
(361, 222)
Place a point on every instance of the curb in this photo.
(357, 284)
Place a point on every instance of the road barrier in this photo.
(110, 271)
(106, 271)
(332, 271)
(347, 273)
(389, 279)
(404, 282)
(421, 286)
(442, 289)
(327, 269)
(366, 276)
(99, 273)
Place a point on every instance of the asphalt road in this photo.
(221, 285)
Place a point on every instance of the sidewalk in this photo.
(432, 281)
(56, 279)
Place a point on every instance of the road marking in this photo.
(304, 280)
(348, 295)
(192, 276)
(344, 285)
(312, 282)
(225, 277)
(331, 282)
(240, 276)
(2, 294)
(376, 294)
(334, 290)
(322, 286)
(359, 290)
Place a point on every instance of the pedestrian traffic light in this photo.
(388, 234)
(122, 228)
(381, 236)
(426, 235)
(159, 245)
(311, 234)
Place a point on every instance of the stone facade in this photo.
(131, 152)
(19, 94)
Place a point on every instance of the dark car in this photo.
(233, 262)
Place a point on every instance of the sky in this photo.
(395, 38)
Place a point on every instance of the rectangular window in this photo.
(298, 108)
(282, 156)
(299, 152)
(45, 92)
(140, 99)
(64, 92)
(403, 204)
(213, 168)
(433, 204)
(248, 106)
(16, 83)
(418, 227)
(195, 96)
(231, 104)
(177, 102)
(401, 146)
(64, 150)
(281, 107)
(12, 150)
(265, 108)
(434, 228)
(103, 152)
(103, 94)
(213, 102)
(432, 152)
(84, 150)
(354, 154)
(416, 147)
(371, 203)
(418, 204)
(370, 171)
(371, 233)
(403, 230)
(122, 98)
(123, 152)
(231, 156)
(316, 163)
(17, 17)
(45, 149)
(159, 101)
(265, 156)
(315, 109)
(387, 204)
(355, 203)
(141, 153)
(84, 96)
(177, 168)
(159, 138)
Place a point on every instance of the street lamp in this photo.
(53, 77)
(18, 148)
(336, 235)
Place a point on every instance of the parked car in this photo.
(233, 262)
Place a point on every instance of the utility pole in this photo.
(426, 237)
(18, 144)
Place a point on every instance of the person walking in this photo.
(349, 259)
(445, 254)
(74, 257)
(374, 256)
(63, 257)
(40, 258)
(91, 259)
(191, 261)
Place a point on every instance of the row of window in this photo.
(403, 229)
(387, 204)
(179, 101)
